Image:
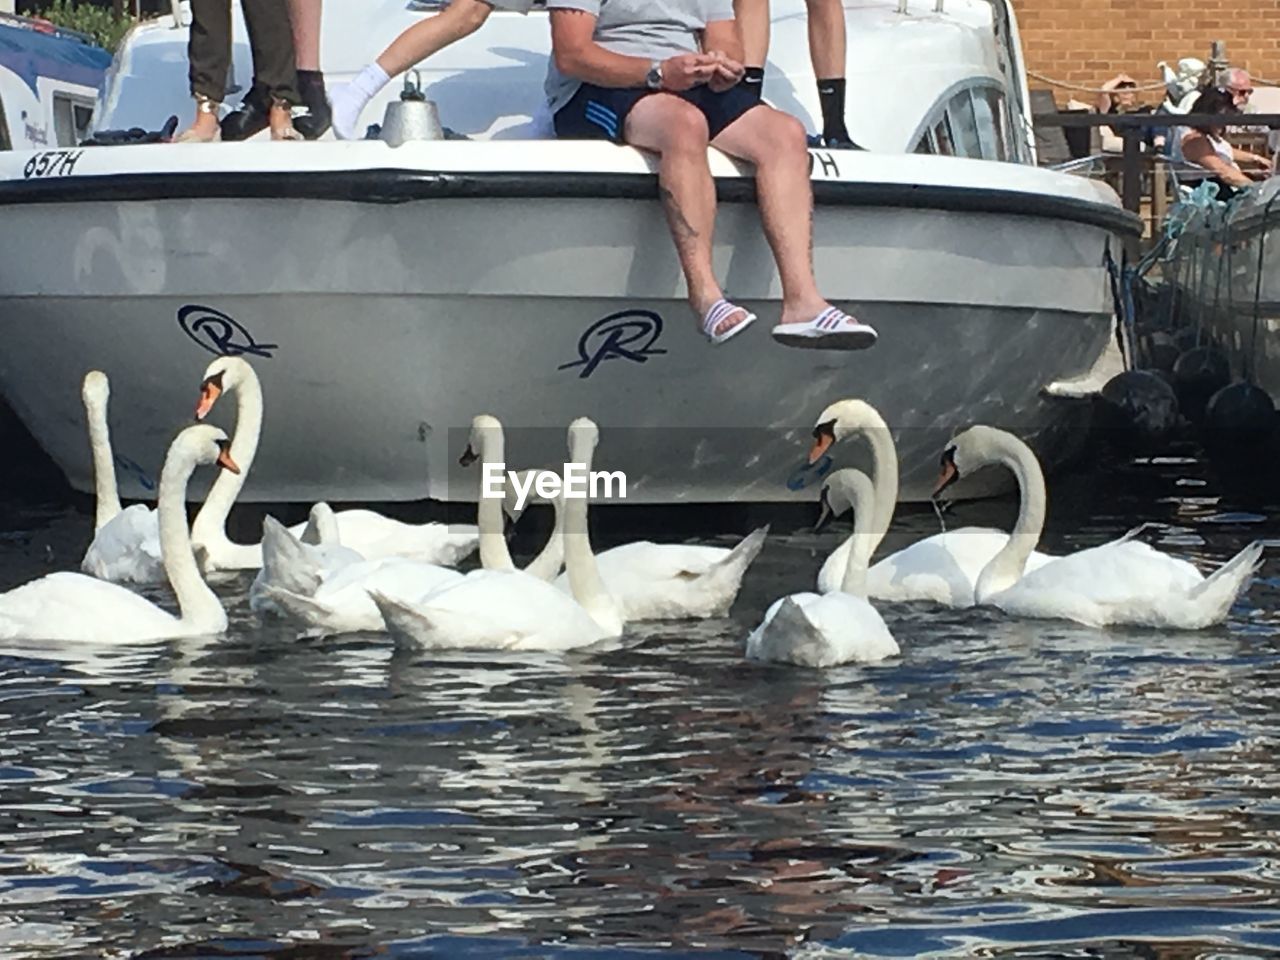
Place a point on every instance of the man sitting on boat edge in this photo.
(664, 76)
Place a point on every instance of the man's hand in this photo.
(727, 74)
(686, 70)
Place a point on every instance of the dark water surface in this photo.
(1004, 788)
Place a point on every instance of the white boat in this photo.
(388, 294)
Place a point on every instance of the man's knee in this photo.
(669, 125)
(771, 135)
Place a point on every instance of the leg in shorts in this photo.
(600, 113)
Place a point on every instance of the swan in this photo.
(126, 543)
(648, 581)
(339, 601)
(511, 609)
(1121, 582)
(72, 607)
(366, 532)
(824, 630)
(942, 568)
(299, 564)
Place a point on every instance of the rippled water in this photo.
(1004, 788)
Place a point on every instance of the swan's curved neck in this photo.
(547, 564)
(866, 536)
(494, 554)
(1006, 567)
(210, 525)
(884, 460)
(580, 563)
(200, 608)
(106, 496)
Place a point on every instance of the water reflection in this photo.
(1004, 787)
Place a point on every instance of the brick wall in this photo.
(1090, 41)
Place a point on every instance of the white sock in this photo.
(349, 100)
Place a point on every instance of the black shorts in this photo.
(600, 113)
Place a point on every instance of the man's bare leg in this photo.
(827, 48)
(304, 17)
(677, 132)
(753, 23)
(459, 19)
(775, 143)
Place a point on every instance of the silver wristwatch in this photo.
(653, 79)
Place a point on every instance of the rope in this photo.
(1083, 89)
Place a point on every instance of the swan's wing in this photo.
(648, 561)
(505, 609)
(397, 577)
(127, 549)
(853, 629)
(73, 607)
(373, 535)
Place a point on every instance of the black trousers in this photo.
(270, 39)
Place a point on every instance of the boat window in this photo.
(988, 106)
(71, 118)
(5, 142)
(944, 143)
(965, 125)
(972, 121)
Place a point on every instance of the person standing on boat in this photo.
(827, 40)
(663, 75)
(252, 116)
(459, 19)
(209, 50)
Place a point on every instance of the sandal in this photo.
(285, 130)
(204, 106)
(717, 313)
(832, 329)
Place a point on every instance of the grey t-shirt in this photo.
(655, 29)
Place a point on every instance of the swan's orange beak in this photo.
(821, 444)
(209, 394)
(224, 457)
(468, 457)
(948, 476)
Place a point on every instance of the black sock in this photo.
(753, 80)
(831, 96)
(308, 79)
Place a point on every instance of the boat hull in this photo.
(383, 314)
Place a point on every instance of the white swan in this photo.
(299, 564)
(126, 543)
(511, 609)
(367, 533)
(942, 568)
(71, 607)
(824, 630)
(1121, 582)
(340, 601)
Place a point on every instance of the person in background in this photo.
(1118, 95)
(304, 15)
(209, 51)
(1208, 148)
(311, 119)
(827, 39)
(459, 19)
(664, 76)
